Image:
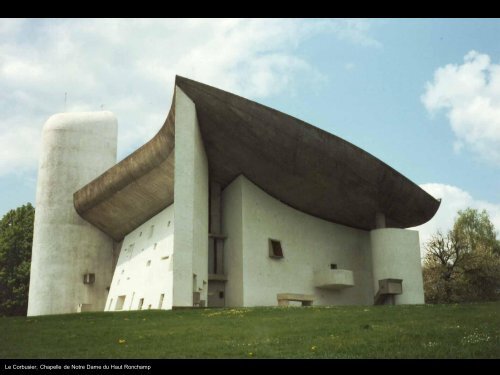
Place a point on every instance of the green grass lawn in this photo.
(421, 331)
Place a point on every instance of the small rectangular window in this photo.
(120, 302)
(162, 296)
(333, 266)
(148, 263)
(275, 250)
(131, 301)
(89, 278)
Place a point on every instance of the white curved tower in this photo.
(396, 255)
(76, 148)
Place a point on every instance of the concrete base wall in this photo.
(309, 245)
(144, 269)
(396, 255)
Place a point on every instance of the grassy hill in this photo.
(421, 331)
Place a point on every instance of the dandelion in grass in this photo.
(313, 348)
(122, 341)
(430, 344)
(475, 338)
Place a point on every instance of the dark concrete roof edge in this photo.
(135, 165)
(179, 80)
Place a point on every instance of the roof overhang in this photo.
(303, 166)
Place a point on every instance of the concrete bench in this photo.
(285, 298)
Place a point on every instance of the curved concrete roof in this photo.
(303, 166)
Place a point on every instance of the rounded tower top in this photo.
(105, 120)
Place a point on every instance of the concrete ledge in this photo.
(216, 277)
(285, 298)
(333, 279)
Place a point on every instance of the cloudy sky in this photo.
(421, 95)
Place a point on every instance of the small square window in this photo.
(333, 266)
(89, 278)
(275, 250)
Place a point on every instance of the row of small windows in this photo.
(148, 263)
(152, 230)
(131, 247)
(120, 302)
(150, 233)
(89, 278)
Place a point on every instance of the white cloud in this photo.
(452, 200)
(470, 95)
(356, 31)
(128, 67)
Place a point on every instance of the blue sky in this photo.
(421, 95)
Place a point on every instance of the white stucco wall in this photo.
(309, 245)
(144, 267)
(191, 205)
(396, 255)
(232, 220)
(76, 148)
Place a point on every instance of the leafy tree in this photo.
(464, 264)
(476, 231)
(16, 238)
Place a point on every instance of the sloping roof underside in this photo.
(297, 163)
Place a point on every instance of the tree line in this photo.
(16, 239)
(460, 265)
(463, 264)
